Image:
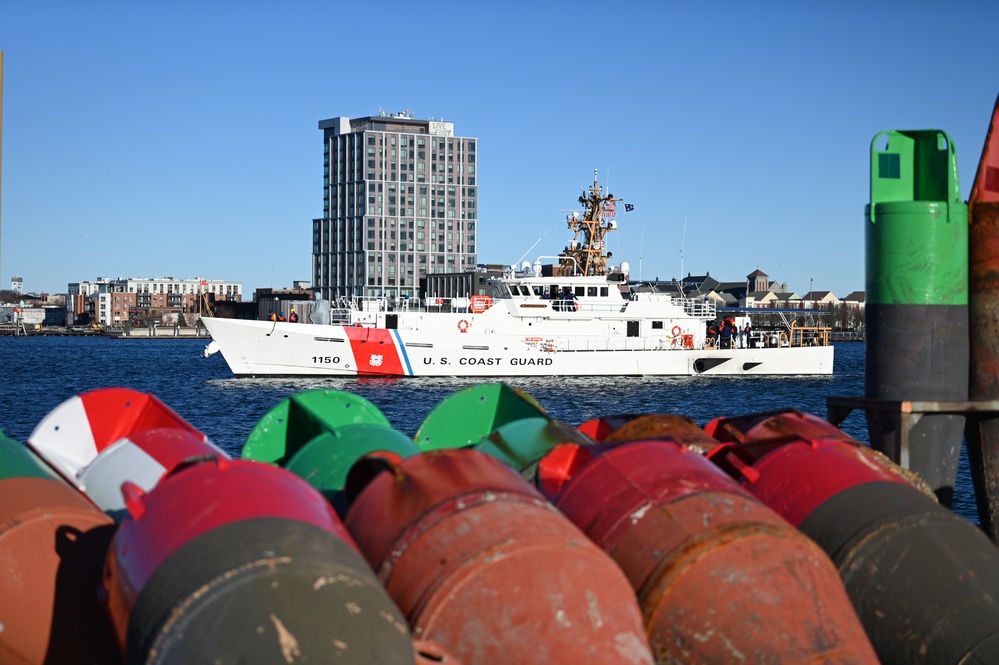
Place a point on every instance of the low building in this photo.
(856, 300)
(819, 300)
(113, 302)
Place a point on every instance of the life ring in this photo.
(676, 331)
(463, 325)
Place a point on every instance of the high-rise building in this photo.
(399, 202)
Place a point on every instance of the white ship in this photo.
(575, 316)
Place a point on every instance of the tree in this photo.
(181, 321)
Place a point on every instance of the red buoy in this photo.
(720, 577)
(924, 581)
(480, 562)
(238, 561)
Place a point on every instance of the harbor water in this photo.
(39, 373)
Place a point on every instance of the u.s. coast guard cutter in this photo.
(574, 316)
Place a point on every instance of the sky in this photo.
(153, 139)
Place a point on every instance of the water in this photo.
(39, 373)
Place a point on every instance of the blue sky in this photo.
(180, 138)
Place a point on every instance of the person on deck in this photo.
(726, 335)
(293, 317)
(280, 316)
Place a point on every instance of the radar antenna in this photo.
(586, 251)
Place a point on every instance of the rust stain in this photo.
(680, 429)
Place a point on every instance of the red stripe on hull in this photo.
(374, 352)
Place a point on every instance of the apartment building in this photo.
(111, 302)
(399, 202)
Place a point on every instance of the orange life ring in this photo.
(463, 325)
(676, 331)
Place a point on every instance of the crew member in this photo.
(726, 335)
(293, 317)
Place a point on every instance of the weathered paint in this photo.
(238, 561)
(983, 312)
(53, 542)
(917, 294)
(266, 591)
(924, 582)
(720, 577)
(676, 428)
(479, 561)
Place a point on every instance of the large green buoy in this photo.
(917, 295)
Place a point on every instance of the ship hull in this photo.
(260, 348)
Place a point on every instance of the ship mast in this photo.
(586, 251)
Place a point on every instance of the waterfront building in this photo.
(112, 302)
(399, 203)
(820, 299)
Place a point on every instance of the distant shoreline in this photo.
(160, 332)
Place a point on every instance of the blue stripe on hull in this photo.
(402, 352)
